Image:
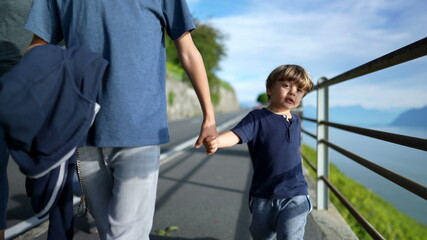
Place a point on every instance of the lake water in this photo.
(408, 162)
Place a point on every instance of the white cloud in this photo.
(325, 37)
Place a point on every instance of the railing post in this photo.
(322, 149)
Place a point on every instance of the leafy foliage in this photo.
(209, 42)
(262, 99)
(389, 222)
(171, 98)
(166, 232)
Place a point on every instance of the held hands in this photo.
(211, 144)
(223, 140)
(208, 130)
(209, 138)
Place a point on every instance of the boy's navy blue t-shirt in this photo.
(274, 147)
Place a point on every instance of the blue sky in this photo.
(327, 37)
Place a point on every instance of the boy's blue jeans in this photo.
(121, 185)
(284, 218)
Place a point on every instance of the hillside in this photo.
(412, 118)
(182, 100)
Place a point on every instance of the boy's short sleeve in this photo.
(177, 18)
(43, 20)
(246, 128)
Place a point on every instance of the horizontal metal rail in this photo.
(309, 162)
(406, 183)
(310, 119)
(365, 224)
(410, 52)
(413, 142)
(404, 54)
(407, 141)
(309, 133)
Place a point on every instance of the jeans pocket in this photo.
(310, 205)
(251, 201)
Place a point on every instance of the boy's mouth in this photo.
(289, 100)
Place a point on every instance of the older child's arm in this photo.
(224, 140)
(193, 65)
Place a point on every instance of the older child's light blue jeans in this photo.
(120, 185)
(284, 218)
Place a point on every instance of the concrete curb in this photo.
(325, 224)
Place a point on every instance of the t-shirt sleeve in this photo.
(43, 20)
(177, 18)
(246, 128)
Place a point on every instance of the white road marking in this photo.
(32, 222)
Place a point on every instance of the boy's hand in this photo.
(207, 129)
(211, 144)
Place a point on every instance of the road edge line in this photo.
(166, 157)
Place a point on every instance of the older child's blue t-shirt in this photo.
(274, 147)
(130, 35)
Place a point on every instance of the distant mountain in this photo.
(355, 115)
(412, 117)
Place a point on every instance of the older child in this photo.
(120, 167)
(278, 195)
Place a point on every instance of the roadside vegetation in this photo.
(389, 222)
(209, 42)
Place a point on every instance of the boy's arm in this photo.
(228, 139)
(36, 41)
(193, 65)
(224, 140)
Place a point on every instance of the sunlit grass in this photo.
(389, 222)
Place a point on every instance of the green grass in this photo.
(171, 98)
(389, 222)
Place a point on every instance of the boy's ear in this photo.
(268, 91)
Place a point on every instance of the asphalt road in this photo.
(204, 197)
(170, 186)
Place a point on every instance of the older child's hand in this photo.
(211, 144)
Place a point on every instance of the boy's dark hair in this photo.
(292, 73)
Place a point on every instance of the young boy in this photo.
(278, 195)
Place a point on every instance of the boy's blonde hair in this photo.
(292, 73)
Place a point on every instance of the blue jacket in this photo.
(47, 106)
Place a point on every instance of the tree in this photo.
(209, 42)
(262, 99)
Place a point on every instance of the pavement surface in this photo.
(206, 198)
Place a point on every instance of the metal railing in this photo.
(410, 52)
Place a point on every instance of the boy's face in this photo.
(285, 95)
